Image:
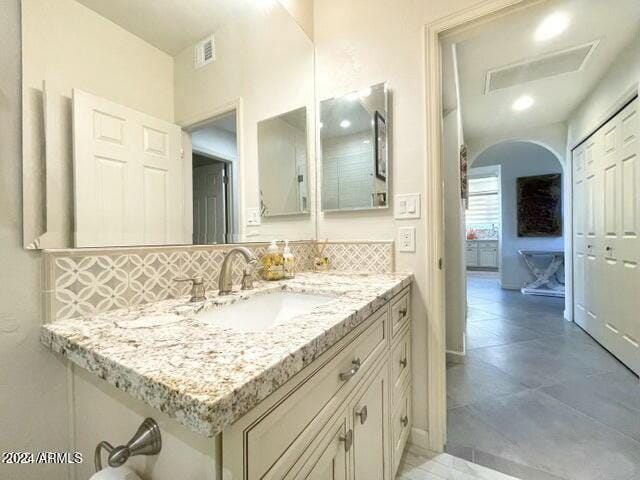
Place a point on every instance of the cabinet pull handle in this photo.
(403, 311)
(355, 366)
(403, 362)
(609, 248)
(347, 439)
(362, 413)
(404, 421)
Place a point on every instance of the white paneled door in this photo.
(128, 176)
(606, 178)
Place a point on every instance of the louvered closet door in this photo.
(621, 248)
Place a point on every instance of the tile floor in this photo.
(415, 466)
(538, 398)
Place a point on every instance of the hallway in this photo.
(538, 398)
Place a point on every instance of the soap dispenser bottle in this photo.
(289, 261)
(273, 263)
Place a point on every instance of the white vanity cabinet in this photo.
(482, 253)
(345, 416)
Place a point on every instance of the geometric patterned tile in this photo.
(81, 283)
(368, 257)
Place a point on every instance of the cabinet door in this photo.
(488, 256)
(471, 253)
(332, 462)
(370, 451)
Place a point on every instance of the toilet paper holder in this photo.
(146, 441)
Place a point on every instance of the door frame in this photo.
(434, 224)
(235, 199)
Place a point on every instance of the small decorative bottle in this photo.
(273, 263)
(289, 261)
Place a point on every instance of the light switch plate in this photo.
(407, 205)
(407, 239)
(253, 217)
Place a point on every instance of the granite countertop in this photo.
(206, 376)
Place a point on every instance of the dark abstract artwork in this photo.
(540, 206)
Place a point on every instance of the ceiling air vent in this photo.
(548, 65)
(205, 52)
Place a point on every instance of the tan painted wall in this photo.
(359, 43)
(455, 275)
(32, 381)
(266, 60)
(302, 12)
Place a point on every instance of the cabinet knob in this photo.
(404, 421)
(355, 366)
(403, 311)
(347, 439)
(403, 362)
(608, 249)
(362, 413)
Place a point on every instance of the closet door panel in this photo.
(606, 241)
(626, 246)
(579, 214)
(592, 207)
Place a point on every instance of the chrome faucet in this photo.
(225, 283)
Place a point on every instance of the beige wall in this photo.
(611, 91)
(455, 274)
(32, 381)
(302, 12)
(359, 43)
(264, 60)
(69, 46)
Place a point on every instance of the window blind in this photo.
(483, 207)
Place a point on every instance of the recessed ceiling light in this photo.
(522, 103)
(321, 124)
(552, 26)
(366, 141)
(345, 123)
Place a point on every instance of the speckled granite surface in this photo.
(205, 376)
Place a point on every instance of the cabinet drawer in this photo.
(400, 312)
(400, 364)
(273, 443)
(400, 427)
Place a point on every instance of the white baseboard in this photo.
(456, 357)
(419, 439)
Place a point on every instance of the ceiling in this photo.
(510, 39)
(169, 25)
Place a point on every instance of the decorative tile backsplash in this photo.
(365, 256)
(86, 281)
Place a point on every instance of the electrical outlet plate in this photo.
(407, 239)
(406, 206)
(253, 217)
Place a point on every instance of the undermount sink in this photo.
(260, 312)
